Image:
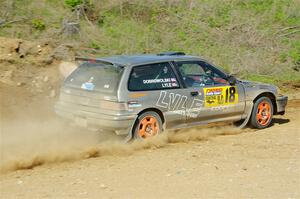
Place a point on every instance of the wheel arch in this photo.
(159, 112)
(271, 96)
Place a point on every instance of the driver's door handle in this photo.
(194, 93)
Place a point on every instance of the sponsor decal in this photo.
(177, 103)
(169, 85)
(220, 96)
(165, 82)
(134, 105)
(89, 85)
(214, 91)
(155, 81)
(215, 98)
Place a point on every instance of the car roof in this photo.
(133, 60)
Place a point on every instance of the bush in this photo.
(94, 46)
(38, 24)
(295, 55)
(73, 3)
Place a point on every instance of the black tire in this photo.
(263, 107)
(238, 123)
(138, 125)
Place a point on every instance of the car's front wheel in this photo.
(262, 113)
(148, 124)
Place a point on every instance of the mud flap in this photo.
(129, 135)
(245, 122)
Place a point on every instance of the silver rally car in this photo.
(142, 95)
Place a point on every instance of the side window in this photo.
(152, 77)
(218, 76)
(198, 73)
(192, 68)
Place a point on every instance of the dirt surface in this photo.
(246, 164)
(44, 157)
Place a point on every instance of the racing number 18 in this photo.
(230, 95)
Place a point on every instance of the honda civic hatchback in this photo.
(140, 96)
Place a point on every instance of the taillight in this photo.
(117, 106)
(120, 106)
(133, 104)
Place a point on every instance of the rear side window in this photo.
(152, 77)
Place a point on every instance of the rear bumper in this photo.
(281, 103)
(94, 119)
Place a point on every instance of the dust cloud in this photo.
(27, 144)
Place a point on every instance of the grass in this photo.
(276, 80)
(253, 38)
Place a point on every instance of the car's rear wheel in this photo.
(148, 124)
(262, 113)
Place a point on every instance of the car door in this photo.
(211, 97)
(157, 86)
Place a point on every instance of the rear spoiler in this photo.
(93, 60)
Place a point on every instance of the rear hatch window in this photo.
(98, 77)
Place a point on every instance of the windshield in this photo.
(95, 77)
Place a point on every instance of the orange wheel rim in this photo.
(148, 127)
(263, 114)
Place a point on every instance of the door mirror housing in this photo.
(231, 80)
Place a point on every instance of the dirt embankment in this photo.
(30, 76)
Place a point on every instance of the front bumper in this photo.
(281, 102)
(94, 118)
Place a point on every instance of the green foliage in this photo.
(276, 80)
(213, 23)
(283, 57)
(262, 78)
(94, 45)
(295, 55)
(253, 38)
(260, 5)
(73, 3)
(38, 24)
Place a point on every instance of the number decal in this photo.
(230, 95)
(220, 96)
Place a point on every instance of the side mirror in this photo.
(231, 80)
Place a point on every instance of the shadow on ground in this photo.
(280, 121)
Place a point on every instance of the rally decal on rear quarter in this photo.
(220, 96)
